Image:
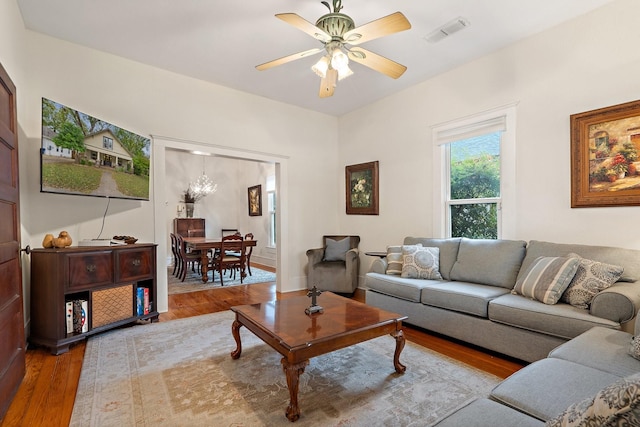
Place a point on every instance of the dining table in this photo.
(203, 244)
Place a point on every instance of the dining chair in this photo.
(187, 258)
(176, 255)
(224, 262)
(247, 251)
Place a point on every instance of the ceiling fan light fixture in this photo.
(345, 72)
(321, 67)
(339, 60)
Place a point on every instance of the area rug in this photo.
(193, 281)
(180, 373)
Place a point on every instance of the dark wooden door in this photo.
(12, 341)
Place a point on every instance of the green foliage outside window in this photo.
(473, 176)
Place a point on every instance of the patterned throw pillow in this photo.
(591, 277)
(547, 278)
(617, 404)
(634, 348)
(394, 260)
(420, 262)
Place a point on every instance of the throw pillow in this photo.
(591, 277)
(618, 404)
(394, 260)
(634, 348)
(547, 278)
(420, 263)
(336, 250)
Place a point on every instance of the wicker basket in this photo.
(111, 305)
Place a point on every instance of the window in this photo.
(271, 208)
(474, 187)
(107, 143)
(474, 175)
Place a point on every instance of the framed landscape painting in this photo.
(361, 184)
(604, 156)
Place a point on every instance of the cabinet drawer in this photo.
(90, 269)
(134, 264)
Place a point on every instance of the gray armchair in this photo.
(335, 266)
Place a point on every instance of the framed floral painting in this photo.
(605, 144)
(361, 184)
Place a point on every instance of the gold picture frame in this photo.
(361, 184)
(254, 199)
(605, 149)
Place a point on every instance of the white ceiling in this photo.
(222, 42)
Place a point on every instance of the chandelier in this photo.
(202, 186)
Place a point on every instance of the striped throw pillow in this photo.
(547, 278)
(394, 259)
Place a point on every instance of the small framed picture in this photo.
(605, 146)
(255, 200)
(361, 185)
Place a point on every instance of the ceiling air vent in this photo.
(447, 29)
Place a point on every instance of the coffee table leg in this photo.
(293, 373)
(235, 330)
(399, 336)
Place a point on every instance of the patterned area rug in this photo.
(193, 281)
(180, 373)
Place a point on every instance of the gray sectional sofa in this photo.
(582, 373)
(591, 380)
(473, 300)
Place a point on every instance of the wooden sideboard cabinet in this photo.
(189, 227)
(107, 278)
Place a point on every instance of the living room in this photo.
(586, 63)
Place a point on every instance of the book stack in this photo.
(76, 316)
(142, 301)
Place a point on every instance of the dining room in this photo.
(231, 196)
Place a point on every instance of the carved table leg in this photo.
(293, 373)
(204, 266)
(399, 336)
(235, 330)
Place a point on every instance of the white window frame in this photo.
(503, 119)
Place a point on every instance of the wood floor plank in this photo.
(47, 393)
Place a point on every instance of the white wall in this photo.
(150, 101)
(588, 63)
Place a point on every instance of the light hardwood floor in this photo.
(48, 390)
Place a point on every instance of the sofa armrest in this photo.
(315, 255)
(619, 303)
(379, 265)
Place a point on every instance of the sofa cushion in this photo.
(489, 262)
(407, 289)
(336, 250)
(547, 278)
(547, 387)
(610, 355)
(419, 262)
(617, 404)
(448, 251)
(470, 298)
(560, 320)
(591, 277)
(488, 413)
(629, 259)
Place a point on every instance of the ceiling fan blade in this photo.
(304, 25)
(328, 84)
(389, 24)
(376, 62)
(286, 59)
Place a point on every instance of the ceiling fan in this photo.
(341, 39)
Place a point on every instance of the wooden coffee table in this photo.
(284, 325)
